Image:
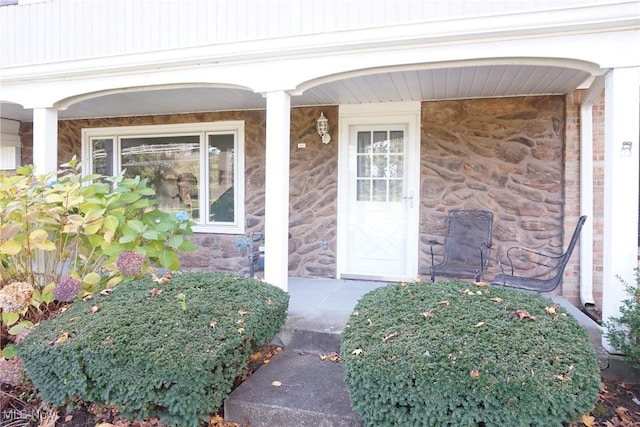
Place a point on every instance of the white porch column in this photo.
(276, 262)
(45, 140)
(620, 188)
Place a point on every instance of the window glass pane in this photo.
(379, 190)
(396, 166)
(364, 142)
(379, 167)
(396, 141)
(171, 165)
(364, 190)
(380, 142)
(102, 156)
(221, 176)
(395, 190)
(364, 166)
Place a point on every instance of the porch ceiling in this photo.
(428, 84)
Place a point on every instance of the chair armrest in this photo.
(546, 261)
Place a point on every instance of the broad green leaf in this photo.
(47, 293)
(16, 329)
(150, 235)
(128, 238)
(140, 204)
(93, 215)
(187, 246)
(10, 247)
(168, 260)
(146, 192)
(9, 318)
(92, 278)
(110, 223)
(112, 249)
(128, 198)
(175, 241)
(136, 225)
(93, 228)
(9, 352)
(36, 298)
(114, 281)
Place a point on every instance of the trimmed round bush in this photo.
(169, 350)
(452, 354)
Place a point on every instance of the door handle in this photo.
(410, 198)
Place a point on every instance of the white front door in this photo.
(379, 195)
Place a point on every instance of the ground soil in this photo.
(617, 406)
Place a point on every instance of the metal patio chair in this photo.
(552, 265)
(467, 245)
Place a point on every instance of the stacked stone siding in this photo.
(503, 155)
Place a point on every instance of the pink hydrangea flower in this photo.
(67, 289)
(130, 263)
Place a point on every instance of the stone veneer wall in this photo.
(314, 193)
(504, 155)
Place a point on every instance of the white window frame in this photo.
(203, 130)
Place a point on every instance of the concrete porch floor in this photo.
(324, 305)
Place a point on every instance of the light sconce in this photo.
(322, 125)
(625, 151)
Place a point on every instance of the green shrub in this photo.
(623, 332)
(170, 350)
(446, 354)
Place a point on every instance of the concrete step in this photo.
(312, 393)
(307, 340)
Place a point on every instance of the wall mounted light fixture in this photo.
(625, 151)
(322, 125)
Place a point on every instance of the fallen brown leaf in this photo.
(588, 420)
(521, 315)
(94, 309)
(388, 337)
(552, 309)
(474, 374)
(62, 338)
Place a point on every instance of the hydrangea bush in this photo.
(64, 234)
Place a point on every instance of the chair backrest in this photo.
(468, 237)
(572, 244)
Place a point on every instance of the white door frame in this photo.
(407, 113)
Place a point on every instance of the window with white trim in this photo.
(197, 168)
